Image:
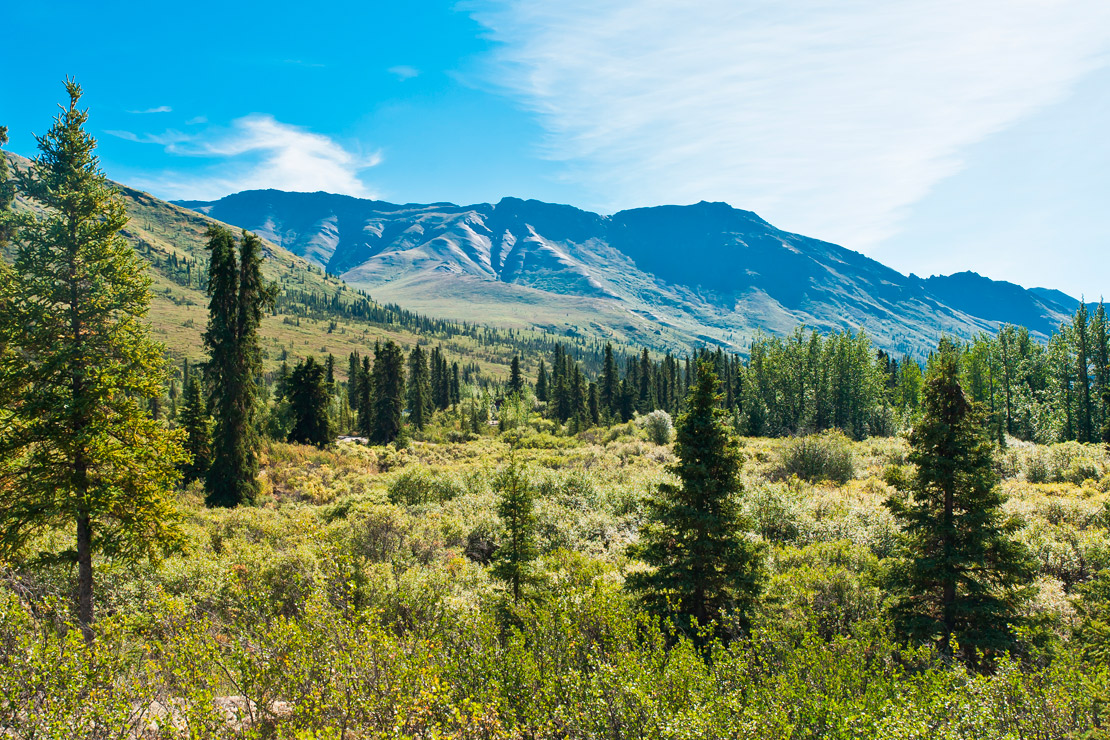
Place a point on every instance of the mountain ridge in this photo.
(659, 275)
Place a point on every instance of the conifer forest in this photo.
(446, 530)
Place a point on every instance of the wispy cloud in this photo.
(195, 120)
(404, 72)
(826, 117)
(167, 139)
(159, 109)
(259, 152)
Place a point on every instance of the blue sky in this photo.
(934, 135)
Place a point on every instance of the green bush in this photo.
(830, 587)
(420, 486)
(898, 476)
(777, 513)
(1036, 468)
(659, 426)
(815, 458)
(1071, 462)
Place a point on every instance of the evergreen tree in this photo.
(388, 382)
(456, 392)
(237, 295)
(281, 384)
(610, 384)
(516, 380)
(627, 404)
(308, 401)
(1083, 384)
(961, 575)
(541, 382)
(419, 389)
(910, 384)
(329, 378)
(646, 400)
(441, 380)
(354, 375)
(594, 405)
(513, 562)
(367, 411)
(579, 399)
(704, 569)
(193, 418)
(77, 369)
(7, 194)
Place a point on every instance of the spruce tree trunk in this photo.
(949, 596)
(85, 575)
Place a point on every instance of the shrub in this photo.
(777, 513)
(514, 412)
(419, 486)
(828, 586)
(659, 426)
(377, 532)
(822, 457)
(898, 476)
(1036, 468)
(1070, 462)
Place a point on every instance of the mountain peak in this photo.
(665, 276)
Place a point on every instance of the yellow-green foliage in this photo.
(356, 595)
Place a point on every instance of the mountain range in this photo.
(315, 313)
(666, 276)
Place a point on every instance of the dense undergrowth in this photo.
(356, 601)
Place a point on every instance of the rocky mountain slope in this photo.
(666, 276)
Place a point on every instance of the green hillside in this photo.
(316, 314)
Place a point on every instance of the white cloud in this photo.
(196, 120)
(167, 139)
(826, 117)
(404, 72)
(260, 152)
(159, 109)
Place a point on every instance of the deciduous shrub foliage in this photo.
(354, 598)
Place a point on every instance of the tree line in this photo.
(810, 382)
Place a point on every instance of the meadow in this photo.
(356, 601)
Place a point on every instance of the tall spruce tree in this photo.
(78, 448)
(513, 562)
(237, 295)
(579, 398)
(388, 382)
(609, 385)
(367, 413)
(646, 400)
(456, 391)
(960, 575)
(308, 400)
(354, 368)
(541, 382)
(516, 379)
(419, 389)
(704, 569)
(193, 418)
(1080, 327)
(593, 405)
